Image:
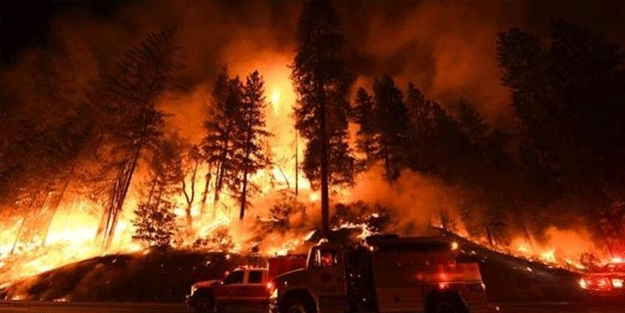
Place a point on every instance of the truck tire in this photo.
(447, 304)
(204, 305)
(298, 305)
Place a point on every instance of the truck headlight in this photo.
(274, 294)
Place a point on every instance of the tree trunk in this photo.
(41, 215)
(443, 220)
(127, 178)
(35, 196)
(70, 211)
(189, 198)
(106, 215)
(19, 233)
(220, 166)
(296, 167)
(246, 164)
(55, 204)
(325, 201)
(243, 195)
(205, 193)
(489, 234)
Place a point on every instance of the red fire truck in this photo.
(607, 281)
(246, 288)
(386, 274)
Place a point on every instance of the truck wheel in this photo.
(297, 308)
(298, 305)
(204, 305)
(448, 304)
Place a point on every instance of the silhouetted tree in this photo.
(46, 125)
(236, 132)
(322, 82)
(364, 116)
(251, 152)
(435, 137)
(155, 220)
(391, 123)
(472, 124)
(220, 144)
(134, 123)
(567, 96)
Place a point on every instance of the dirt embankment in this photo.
(167, 277)
(141, 277)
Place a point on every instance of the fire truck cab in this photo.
(385, 274)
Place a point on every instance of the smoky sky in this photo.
(446, 48)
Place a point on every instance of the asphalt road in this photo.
(64, 307)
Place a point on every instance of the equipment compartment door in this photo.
(328, 280)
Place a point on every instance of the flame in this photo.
(275, 99)
(523, 249)
(72, 231)
(548, 256)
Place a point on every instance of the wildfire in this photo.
(72, 232)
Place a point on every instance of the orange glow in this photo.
(275, 99)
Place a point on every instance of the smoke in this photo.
(559, 245)
(415, 200)
(447, 49)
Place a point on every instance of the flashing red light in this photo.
(599, 283)
(602, 283)
(270, 286)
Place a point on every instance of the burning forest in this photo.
(254, 129)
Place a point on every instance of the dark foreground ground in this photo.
(57, 307)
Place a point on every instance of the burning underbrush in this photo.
(153, 275)
(165, 276)
(74, 267)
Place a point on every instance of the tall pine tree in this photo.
(363, 115)
(134, 123)
(392, 126)
(322, 82)
(223, 128)
(251, 152)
